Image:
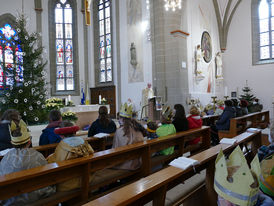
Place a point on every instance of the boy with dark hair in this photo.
(151, 130)
(48, 136)
(8, 116)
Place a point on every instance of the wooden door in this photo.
(109, 93)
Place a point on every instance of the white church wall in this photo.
(238, 60)
(133, 90)
(201, 17)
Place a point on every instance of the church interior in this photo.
(137, 102)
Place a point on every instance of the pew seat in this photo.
(177, 194)
(108, 176)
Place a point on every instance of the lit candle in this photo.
(69, 98)
(100, 98)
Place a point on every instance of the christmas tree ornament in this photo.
(16, 101)
(30, 108)
(25, 100)
(36, 119)
(20, 91)
(26, 84)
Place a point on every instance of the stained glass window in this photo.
(105, 50)
(266, 29)
(64, 46)
(11, 58)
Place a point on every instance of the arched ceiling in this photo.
(224, 10)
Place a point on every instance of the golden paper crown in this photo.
(240, 187)
(126, 111)
(25, 135)
(167, 112)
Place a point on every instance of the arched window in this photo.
(63, 32)
(11, 57)
(103, 38)
(263, 31)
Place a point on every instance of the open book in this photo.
(100, 135)
(228, 141)
(183, 163)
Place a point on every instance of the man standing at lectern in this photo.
(147, 93)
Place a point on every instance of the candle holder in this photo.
(226, 97)
(214, 101)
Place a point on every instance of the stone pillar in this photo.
(169, 78)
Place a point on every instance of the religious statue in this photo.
(147, 94)
(198, 63)
(133, 59)
(219, 66)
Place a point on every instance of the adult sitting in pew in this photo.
(238, 109)
(103, 124)
(194, 121)
(179, 121)
(69, 148)
(8, 116)
(48, 136)
(21, 158)
(128, 133)
(167, 128)
(223, 123)
(243, 105)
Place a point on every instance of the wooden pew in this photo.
(209, 120)
(239, 125)
(155, 186)
(98, 144)
(100, 162)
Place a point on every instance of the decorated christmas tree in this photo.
(26, 90)
(247, 95)
(253, 102)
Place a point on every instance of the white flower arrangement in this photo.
(54, 103)
(71, 116)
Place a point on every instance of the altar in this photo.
(86, 114)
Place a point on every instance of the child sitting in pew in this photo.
(69, 148)
(21, 157)
(6, 118)
(194, 121)
(151, 130)
(48, 136)
(103, 124)
(167, 128)
(130, 132)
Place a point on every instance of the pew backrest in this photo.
(51, 174)
(155, 186)
(239, 125)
